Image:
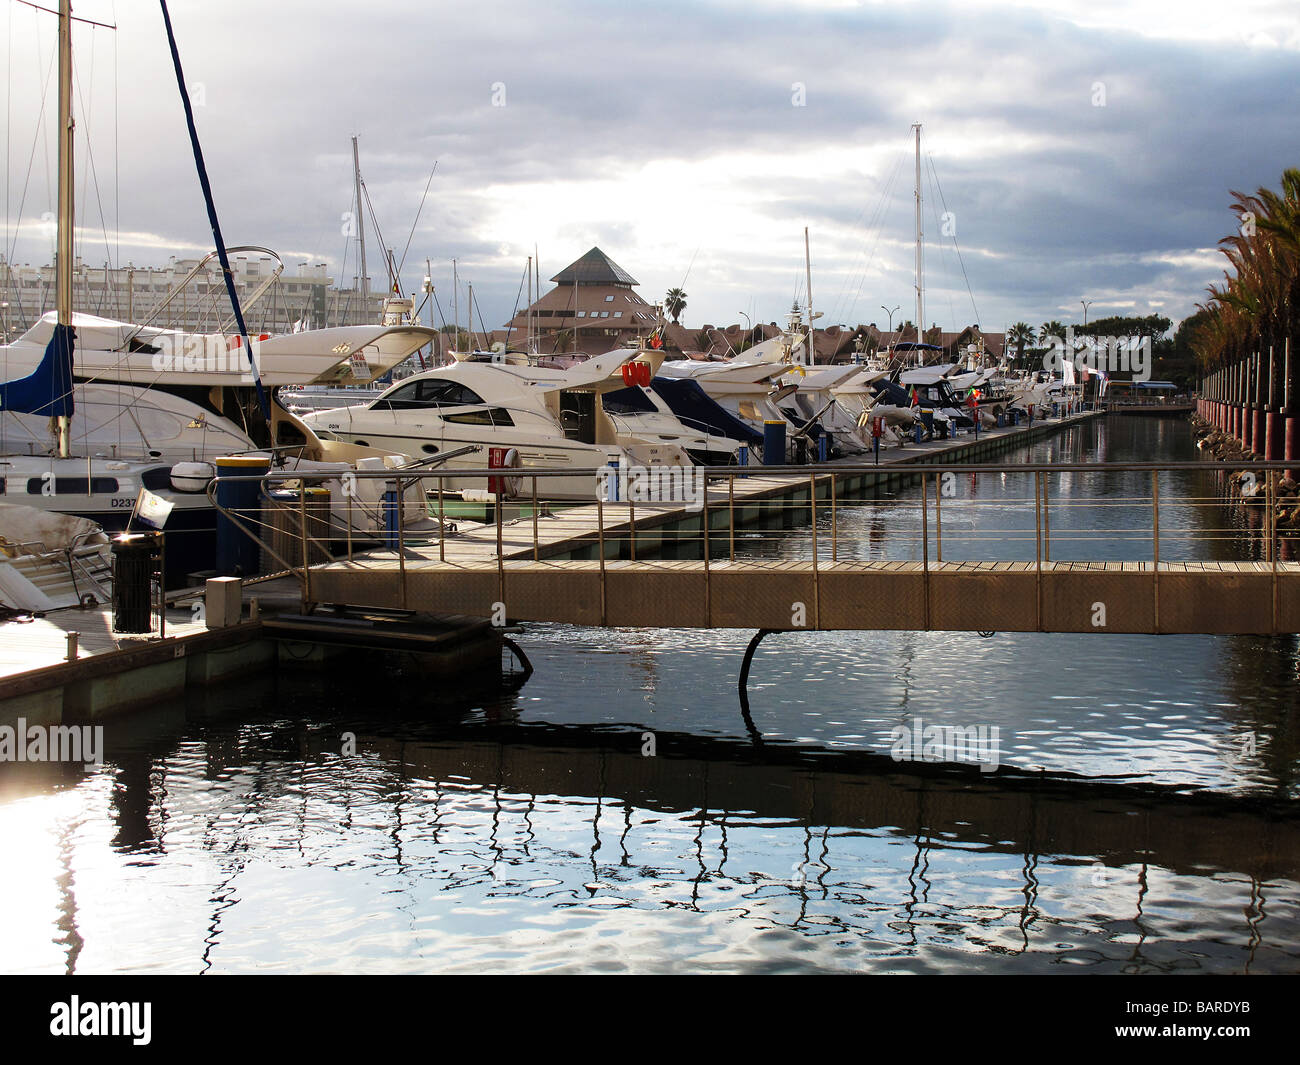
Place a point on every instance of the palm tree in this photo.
(1258, 304)
(1021, 334)
(1049, 330)
(675, 303)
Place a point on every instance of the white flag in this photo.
(151, 509)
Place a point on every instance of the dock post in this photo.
(925, 544)
(1155, 549)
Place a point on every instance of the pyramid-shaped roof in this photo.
(594, 268)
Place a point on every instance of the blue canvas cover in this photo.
(697, 409)
(47, 390)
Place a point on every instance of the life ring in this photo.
(505, 459)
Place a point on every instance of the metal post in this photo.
(600, 540)
(925, 543)
(812, 507)
(1273, 547)
(72, 646)
(631, 529)
(731, 516)
(442, 518)
(1038, 544)
(535, 551)
(817, 588)
(500, 516)
(302, 529)
(1047, 521)
(938, 519)
(347, 508)
(834, 531)
(162, 586)
(1155, 548)
(401, 535)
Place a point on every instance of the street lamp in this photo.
(891, 316)
(1086, 305)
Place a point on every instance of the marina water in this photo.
(619, 813)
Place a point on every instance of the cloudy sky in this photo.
(1078, 150)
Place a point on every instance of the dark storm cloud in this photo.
(1053, 197)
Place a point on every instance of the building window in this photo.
(609, 299)
(582, 314)
(618, 314)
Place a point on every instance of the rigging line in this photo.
(92, 174)
(879, 229)
(117, 155)
(876, 226)
(75, 18)
(417, 217)
(943, 251)
(688, 267)
(374, 220)
(955, 245)
(878, 219)
(262, 401)
(510, 324)
(867, 224)
(31, 159)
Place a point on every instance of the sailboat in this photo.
(150, 408)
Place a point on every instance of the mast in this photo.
(63, 255)
(528, 339)
(920, 299)
(361, 228)
(807, 262)
(455, 304)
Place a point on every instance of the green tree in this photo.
(1020, 336)
(675, 303)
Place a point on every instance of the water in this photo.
(1142, 818)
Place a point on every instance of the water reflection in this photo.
(1127, 829)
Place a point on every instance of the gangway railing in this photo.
(935, 519)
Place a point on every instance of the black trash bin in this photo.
(134, 559)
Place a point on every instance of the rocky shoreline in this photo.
(1247, 486)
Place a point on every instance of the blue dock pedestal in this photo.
(237, 552)
(773, 442)
(392, 519)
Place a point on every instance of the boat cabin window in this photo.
(435, 392)
(485, 416)
(73, 486)
(627, 401)
(578, 416)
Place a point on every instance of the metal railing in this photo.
(938, 515)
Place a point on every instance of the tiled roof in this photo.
(594, 268)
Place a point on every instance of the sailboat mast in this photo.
(361, 227)
(63, 255)
(807, 262)
(920, 298)
(455, 305)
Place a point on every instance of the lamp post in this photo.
(891, 316)
(1086, 305)
(749, 329)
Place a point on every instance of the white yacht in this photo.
(550, 419)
